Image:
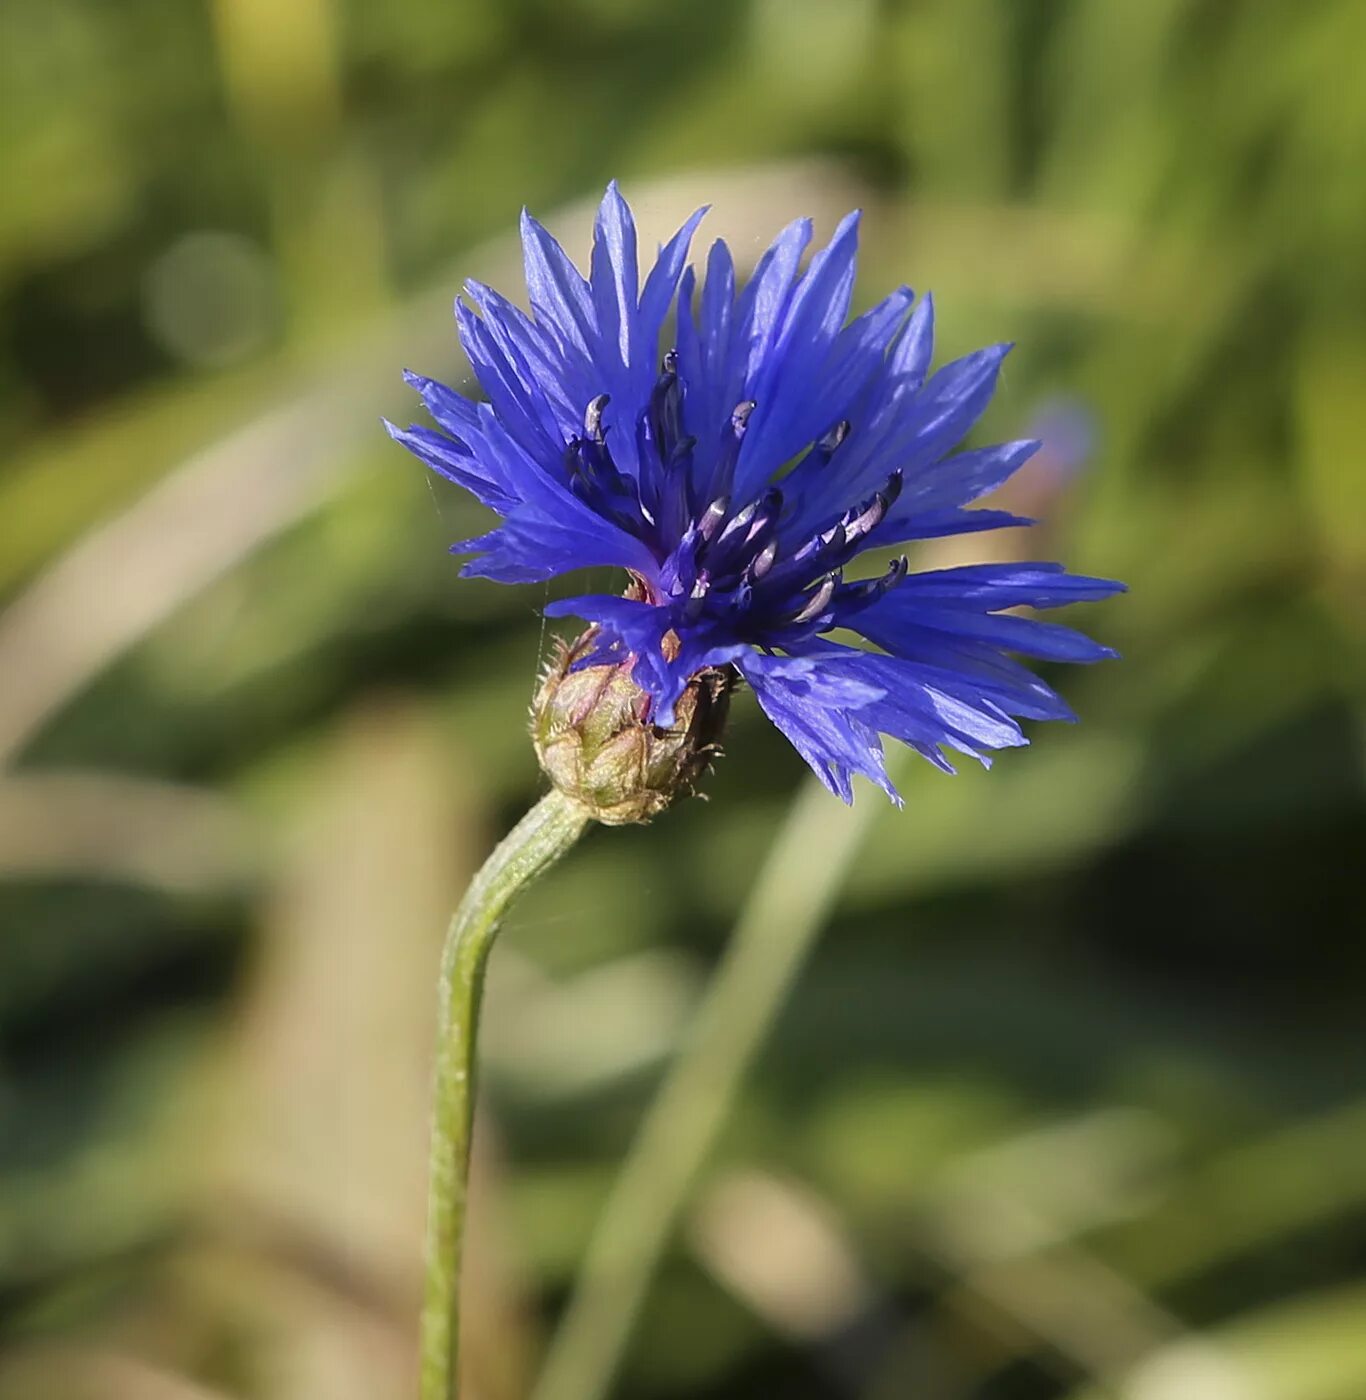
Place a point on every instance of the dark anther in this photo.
(739, 418)
(592, 416)
(834, 437)
(670, 365)
(815, 604)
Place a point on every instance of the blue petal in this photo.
(735, 340)
(909, 362)
(561, 380)
(966, 668)
(814, 707)
(624, 615)
(559, 295)
(949, 483)
(662, 280)
(546, 517)
(714, 384)
(937, 524)
(863, 458)
(450, 458)
(993, 587)
(761, 305)
(919, 707)
(704, 346)
(455, 413)
(949, 404)
(909, 431)
(523, 411)
(898, 618)
(791, 375)
(616, 279)
(531, 546)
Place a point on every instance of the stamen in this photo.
(692, 609)
(666, 415)
(832, 440)
(868, 590)
(594, 478)
(815, 604)
(712, 518)
(763, 561)
(592, 417)
(770, 503)
(682, 448)
(740, 522)
(739, 418)
(868, 519)
(872, 515)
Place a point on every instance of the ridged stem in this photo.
(531, 848)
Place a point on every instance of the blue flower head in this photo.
(737, 479)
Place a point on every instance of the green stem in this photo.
(532, 847)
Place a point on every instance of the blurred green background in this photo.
(1068, 1100)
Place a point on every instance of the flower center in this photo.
(720, 561)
